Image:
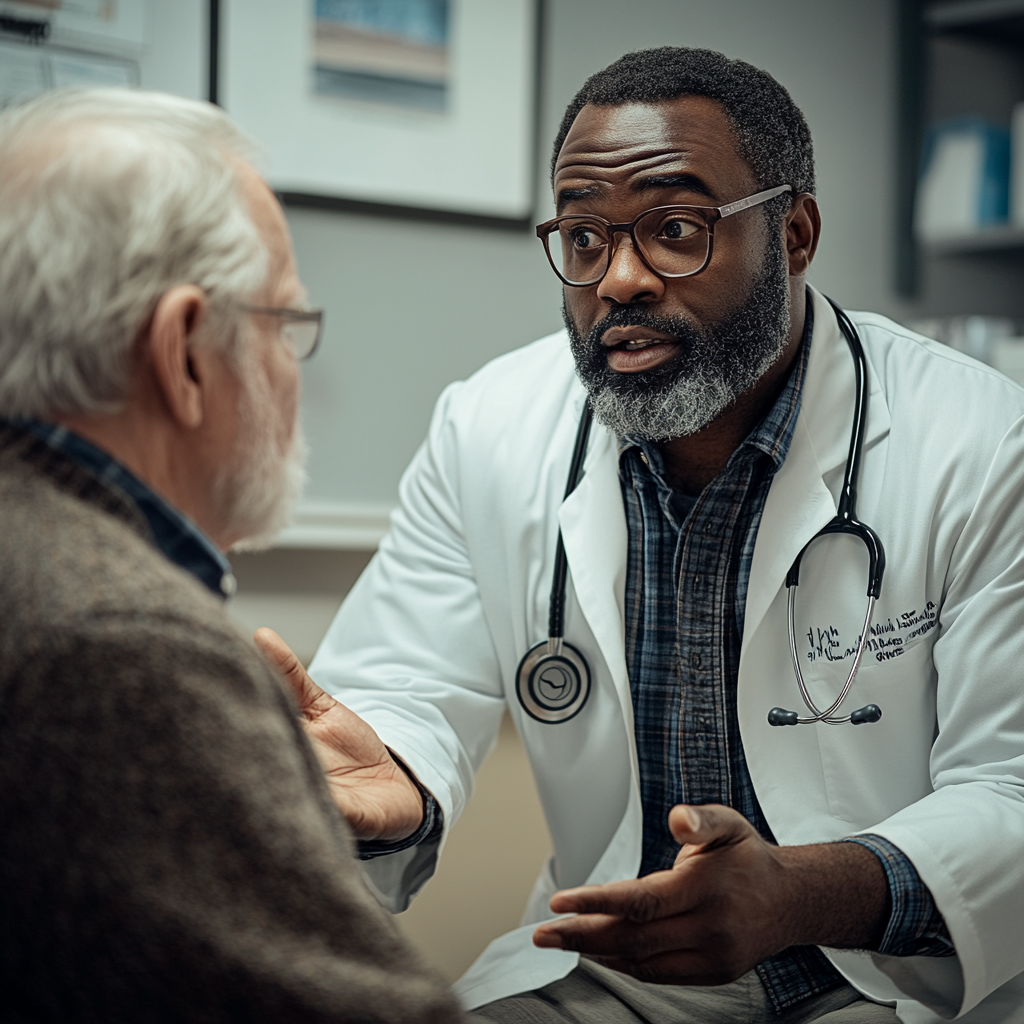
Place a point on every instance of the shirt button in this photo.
(228, 584)
(695, 659)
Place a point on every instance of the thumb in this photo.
(312, 700)
(707, 826)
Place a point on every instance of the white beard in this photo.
(257, 492)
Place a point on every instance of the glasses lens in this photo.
(579, 249)
(301, 336)
(675, 241)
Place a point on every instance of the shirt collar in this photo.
(174, 534)
(774, 434)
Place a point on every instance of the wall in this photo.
(412, 306)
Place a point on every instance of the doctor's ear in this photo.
(802, 228)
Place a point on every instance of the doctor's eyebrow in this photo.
(689, 182)
(575, 195)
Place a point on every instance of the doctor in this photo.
(717, 868)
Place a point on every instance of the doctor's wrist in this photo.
(835, 894)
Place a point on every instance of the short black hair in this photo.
(771, 132)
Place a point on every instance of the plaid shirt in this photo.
(686, 586)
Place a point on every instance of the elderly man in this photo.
(627, 597)
(169, 848)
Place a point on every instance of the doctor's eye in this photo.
(677, 228)
(585, 236)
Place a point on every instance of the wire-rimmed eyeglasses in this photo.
(672, 241)
(300, 328)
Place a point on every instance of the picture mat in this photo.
(476, 157)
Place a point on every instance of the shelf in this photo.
(954, 14)
(999, 22)
(1005, 238)
(339, 526)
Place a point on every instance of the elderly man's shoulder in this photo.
(77, 562)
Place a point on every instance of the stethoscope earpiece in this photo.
(868, 713)
(862, 716)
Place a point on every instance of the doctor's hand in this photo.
(729, 901)
(373, 793)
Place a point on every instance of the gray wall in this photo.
(412, 306)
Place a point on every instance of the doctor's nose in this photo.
(628, 279)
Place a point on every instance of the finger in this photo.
(312, 700)
(654, 896)
(605, 936)
(710, 826)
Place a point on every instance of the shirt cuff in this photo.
(916, 928)
(429, 831)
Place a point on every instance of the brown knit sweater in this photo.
(168, 849)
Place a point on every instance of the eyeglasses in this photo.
(672, 241)
(301, 328)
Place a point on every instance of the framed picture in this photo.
(387, 105)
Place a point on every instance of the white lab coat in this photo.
(426, 646)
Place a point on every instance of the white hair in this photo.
(108, 198)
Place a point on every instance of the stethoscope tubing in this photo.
(845, 521)
(556, 608)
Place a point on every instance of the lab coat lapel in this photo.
(800, 503)
(594, 532)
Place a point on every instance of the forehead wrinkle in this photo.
(613, 155)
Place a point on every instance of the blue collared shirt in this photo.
(688, 570)
(174, 534)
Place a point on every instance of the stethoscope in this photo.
(553, 679)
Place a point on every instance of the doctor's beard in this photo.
(715, 364)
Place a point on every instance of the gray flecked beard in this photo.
(715, 364)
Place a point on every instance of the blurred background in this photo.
(916, 110)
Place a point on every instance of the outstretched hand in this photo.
(375, 795)
(730, 901)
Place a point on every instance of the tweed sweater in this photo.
(169, 851)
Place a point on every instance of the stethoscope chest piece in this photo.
(553, 681)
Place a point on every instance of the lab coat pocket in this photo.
(873, 770)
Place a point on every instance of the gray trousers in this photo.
(596, 995)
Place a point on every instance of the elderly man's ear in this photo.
(180, 366)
